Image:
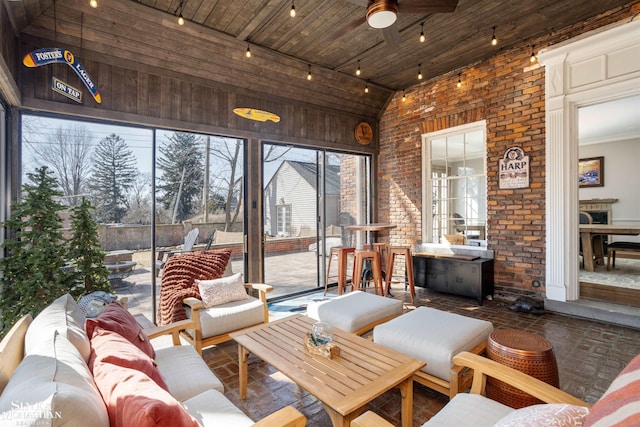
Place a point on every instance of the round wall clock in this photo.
(364, 133)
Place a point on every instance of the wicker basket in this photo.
(526, 352)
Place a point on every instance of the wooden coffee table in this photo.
(363, 370)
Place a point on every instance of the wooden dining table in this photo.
(592, 244)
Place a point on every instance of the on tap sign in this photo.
(50, 55)
(513, 169)
(66, 90)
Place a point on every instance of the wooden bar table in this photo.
(591, 236)
(371, 229)
(345, 384)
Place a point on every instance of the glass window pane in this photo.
(457, 182)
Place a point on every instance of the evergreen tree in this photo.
(32, 273)
(85, 252)
(181, 162)
(114, 175)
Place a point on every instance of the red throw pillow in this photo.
(620, 404)
(133, 399)
(117, 319)
(111, 347)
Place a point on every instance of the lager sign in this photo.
(513, 170)
(50, 55)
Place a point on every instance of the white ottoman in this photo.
(356, 312)
(435, 336)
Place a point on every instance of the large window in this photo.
(455, 185)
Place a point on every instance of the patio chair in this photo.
(164, 255)
(475, 409)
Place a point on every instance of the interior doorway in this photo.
(608, 149)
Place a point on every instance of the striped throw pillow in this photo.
(620, 404)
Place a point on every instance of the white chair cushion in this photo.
(433, 336)
(65, 316)
(230, 316)
(355, 310)
(52, 386)
(469, 410)
(212, 408)
(185, 372)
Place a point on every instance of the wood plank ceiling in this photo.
(330, 38)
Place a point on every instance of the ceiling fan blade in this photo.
(427, 6)
(391, 36)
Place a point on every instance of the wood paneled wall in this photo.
(146, 95)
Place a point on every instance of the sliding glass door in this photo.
(309, 198)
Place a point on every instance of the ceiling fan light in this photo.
(382, 14)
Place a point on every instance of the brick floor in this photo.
(589, 354)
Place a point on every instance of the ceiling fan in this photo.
(382, 14)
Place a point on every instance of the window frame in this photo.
(428, 221)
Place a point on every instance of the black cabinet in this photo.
(461, 276)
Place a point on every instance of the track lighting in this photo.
(533, 54)
(422, 37)
(366, 87)
(248, 52)
(459, 80)
(494, 40)
(180, 20)
(358, 72)
(419, 72)
(93, 3)
(309, 73)
(292, 12)
(404, 97)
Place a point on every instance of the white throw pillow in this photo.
(546, 415)
(52, 387)
(219, 291)
(66, 317)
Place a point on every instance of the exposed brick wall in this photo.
(508, 92)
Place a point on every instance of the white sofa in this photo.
(45, 379)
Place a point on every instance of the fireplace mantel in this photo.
(598, 205)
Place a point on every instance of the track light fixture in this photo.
(366, 87)
(422, 37)
(459, 79)
(248, 52)
(419, 72)
(533, 54)
(494, 40)
(292, 12)
(180, 17)
(93, 3)
(309, 73)
(358, 71)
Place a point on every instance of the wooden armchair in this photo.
(165, 254)
(460, 407)
(214, 324)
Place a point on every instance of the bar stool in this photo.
(408, 267)
(341, 252)
(376, 270)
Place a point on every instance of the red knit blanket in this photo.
(178, 280)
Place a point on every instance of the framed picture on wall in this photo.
(591, 172)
